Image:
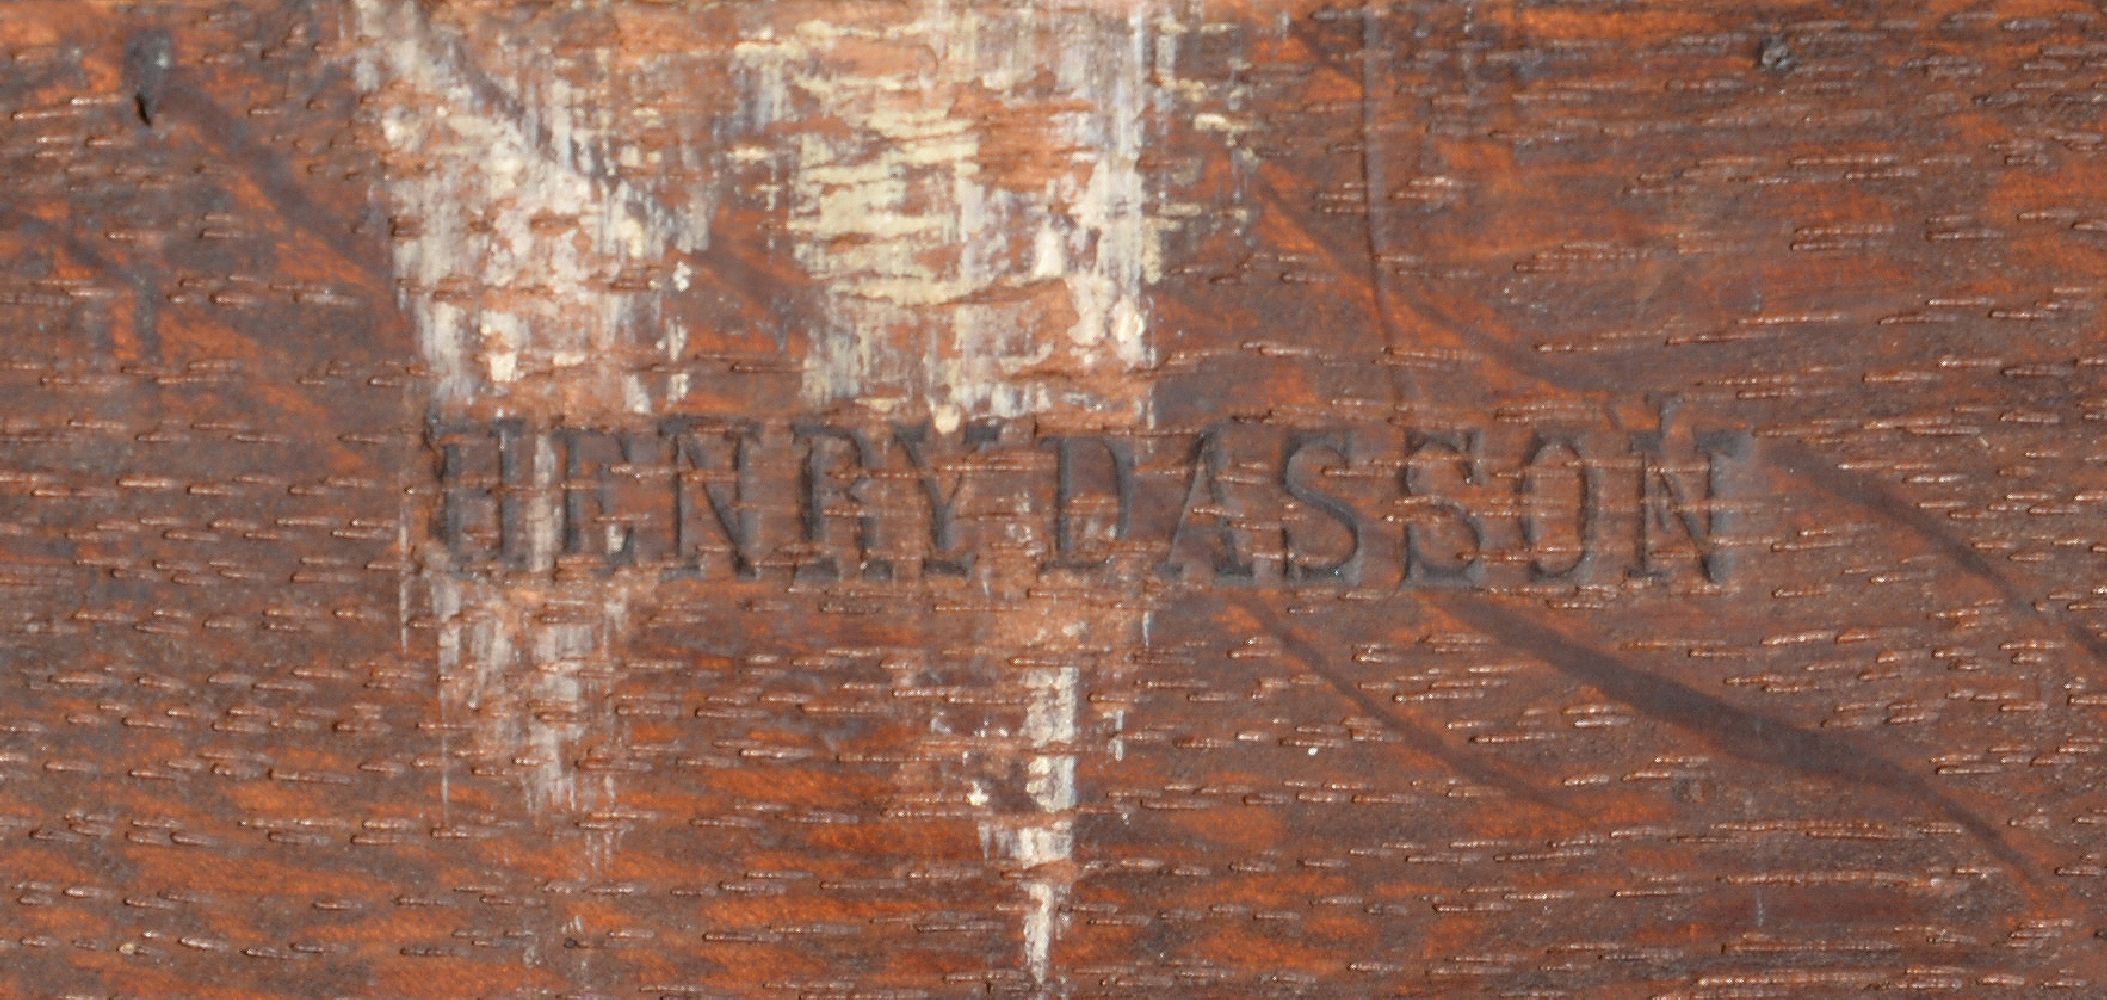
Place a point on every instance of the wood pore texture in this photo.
(1612, 502)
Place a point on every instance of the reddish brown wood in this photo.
(1439, 499)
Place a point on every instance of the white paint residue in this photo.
(1050, 726)
(972, 214)
(931, 297)
(899, 218)
(510, 221)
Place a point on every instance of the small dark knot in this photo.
(147, 59)
(1775, 56)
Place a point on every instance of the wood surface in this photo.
(1522, 498)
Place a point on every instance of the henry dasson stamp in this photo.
(1235, 503)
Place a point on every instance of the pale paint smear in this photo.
(947, 287)
(508, 225)
(516, 219)
(948, 279)
(899, 212)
